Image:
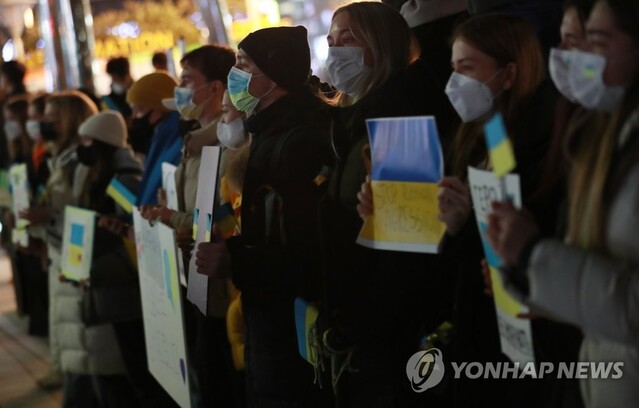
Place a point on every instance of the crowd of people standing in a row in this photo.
(565, 78)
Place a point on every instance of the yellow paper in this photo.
(404, 213)
(502, 299)
(502, 158)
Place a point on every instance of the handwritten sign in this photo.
(197, 288)
(169, 186)
(515, 334)
(407, 164)
(19, 182)
(162, 307)
(77, 243)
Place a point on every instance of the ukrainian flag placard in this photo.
(500, 149)
(406, 167)
(225, 220)
(121, 195)
(77, 243)
(305, 317)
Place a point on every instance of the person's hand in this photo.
(509, 230)
(115, 225)
(454, 204)
(488, 281)
(158, 212)
(162, 200)
(365, 197)
(145, 211)
(212, 258)
(9, 221)
(184, 240)
(37, 215)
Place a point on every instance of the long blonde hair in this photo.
(591, 182)
(73, 108)
(387, 35)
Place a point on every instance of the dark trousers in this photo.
(100, 391)
(149, 392)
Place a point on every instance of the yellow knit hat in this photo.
(149, 90)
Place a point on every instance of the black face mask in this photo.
(48, 132)
(88, 155)
(141, 134)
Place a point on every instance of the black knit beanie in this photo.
(282, 53)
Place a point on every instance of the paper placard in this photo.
(77, 243)
(515, 334)
(169, 186)
(407, 163)
(162, 307)
(197, 288)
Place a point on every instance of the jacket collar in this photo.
(195, 140)
(283, 113)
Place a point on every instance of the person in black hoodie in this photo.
(276, 258)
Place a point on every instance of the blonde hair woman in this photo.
(374, 318)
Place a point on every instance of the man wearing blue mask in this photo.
(199, 97)
(276, 258)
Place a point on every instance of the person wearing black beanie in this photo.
(282, 53)
(277, 256)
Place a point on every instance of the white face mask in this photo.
(470, 97)
(33, 129)
(184, 102)
(586, 82)
(345, 69)
(559, 67)
(12, 130)
(232, 134)
(118, 89)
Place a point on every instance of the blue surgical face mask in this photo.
(184, 102)
(238, 87)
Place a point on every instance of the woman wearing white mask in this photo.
(498, 67)
(590, 279)
(374, 318)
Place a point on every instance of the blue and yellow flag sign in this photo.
(500, 149)
(407, 164)
(121, 195)
(307, 339)
(77, 243)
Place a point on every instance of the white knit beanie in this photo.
(107, 126)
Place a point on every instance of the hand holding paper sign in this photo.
(454, 204)
(509, 230)
(212, 258)
(365, 197)
(36, 215)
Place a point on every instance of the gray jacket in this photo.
(599, 292)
